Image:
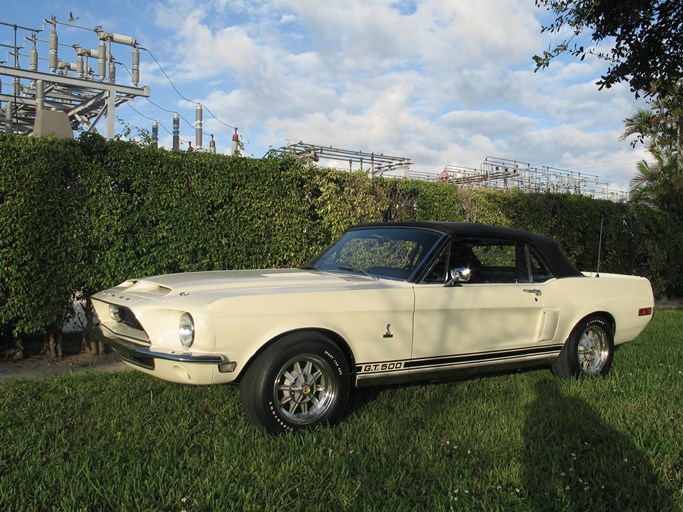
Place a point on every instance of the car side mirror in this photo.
(459, 275)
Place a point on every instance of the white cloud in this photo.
(436, 81)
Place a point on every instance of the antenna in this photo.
(597, 272)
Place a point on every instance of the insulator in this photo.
(79, 67)
(54, 43)
(67, 66)
(101, 61)
(136, 66)
(9, 110)
(198, 126)
(34, 57)
(176, 131)
(85, 52)
(40, 95)
(112, 71)
(118, 38)
(155, 133)
(235, 143)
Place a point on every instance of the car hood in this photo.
(209, 286)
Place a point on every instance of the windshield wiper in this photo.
(358, 271)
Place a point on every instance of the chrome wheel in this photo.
(589, 350)
(593, 350)
(304, 389)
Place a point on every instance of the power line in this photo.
(181, 95)
(165, 109)
(150, 119)
(182, 141)
(609, 163)
(179, 115)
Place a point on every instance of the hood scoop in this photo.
(143, 287)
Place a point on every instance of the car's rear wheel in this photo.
(299, 382)
(588, 351)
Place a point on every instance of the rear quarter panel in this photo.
(619, 296)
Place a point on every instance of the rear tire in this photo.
(588, 351)
(300, 382)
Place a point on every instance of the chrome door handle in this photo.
(535, 291)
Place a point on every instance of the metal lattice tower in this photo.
(502, 173)
(375, 164)
(498, 173)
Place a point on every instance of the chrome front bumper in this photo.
(145, 357)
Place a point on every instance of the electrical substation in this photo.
(58, 91)
(372, 163)
(51, 88)
(499, 173)
(502, 173)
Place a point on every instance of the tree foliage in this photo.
(659, 127)
(645, 40)
(659, 182)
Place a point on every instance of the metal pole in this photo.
(111, 114)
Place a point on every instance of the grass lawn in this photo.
(519, 441)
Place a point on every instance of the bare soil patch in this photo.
(34, 364)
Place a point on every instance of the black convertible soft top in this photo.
(547, 248)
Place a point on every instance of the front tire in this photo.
(300, 382)
(588, 351)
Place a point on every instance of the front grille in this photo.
(120, 321)
(126, 316)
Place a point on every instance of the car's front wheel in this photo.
(299, 382)
(588, 351)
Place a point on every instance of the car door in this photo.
(481, 302)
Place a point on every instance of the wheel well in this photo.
(333, 337)
(605, 316)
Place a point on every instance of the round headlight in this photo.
(186, 330)
(114, 312)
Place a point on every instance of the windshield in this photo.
(393, 253)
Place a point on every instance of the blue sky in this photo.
(437, 81)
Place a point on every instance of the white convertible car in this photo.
(387, 303)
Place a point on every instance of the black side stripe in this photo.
(464, 359)
(486, 356)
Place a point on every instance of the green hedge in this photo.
(79, 216)
(40, 222)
